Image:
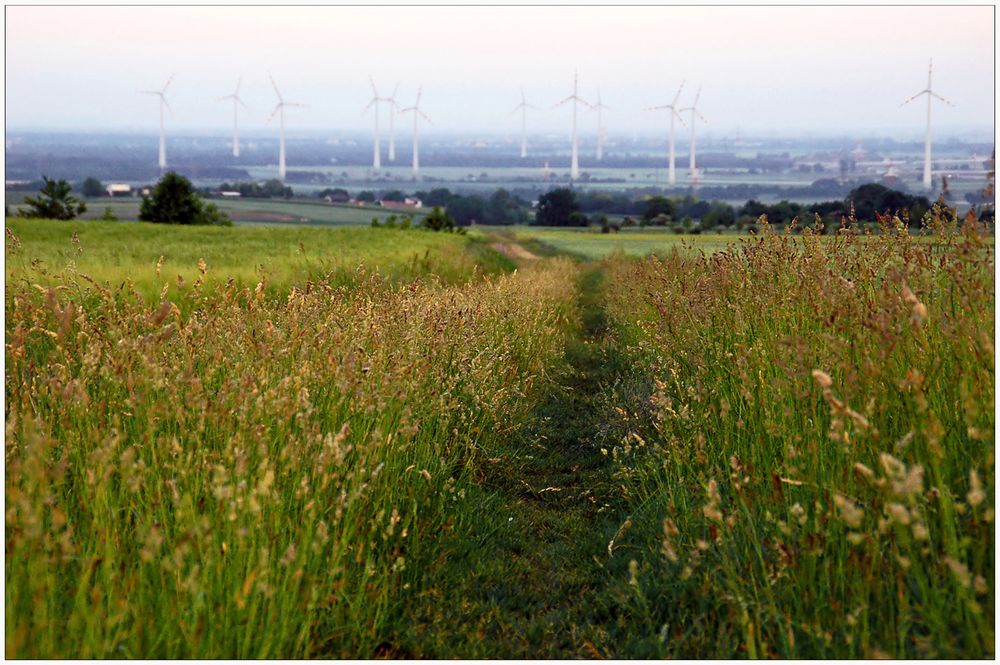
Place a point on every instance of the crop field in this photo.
(248, 211)
(297, 442)
(590, 243)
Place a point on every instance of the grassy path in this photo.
(533, 580)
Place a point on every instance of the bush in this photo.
(174, 201)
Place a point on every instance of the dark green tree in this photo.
(54, 201)
(556, 207)
(366, 196)
(174, 201)
(92, 187)
(438, 220)
(658, 205)
(503, 209)
(467, 209)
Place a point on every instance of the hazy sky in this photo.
(822, 70)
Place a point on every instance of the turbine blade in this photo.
(678, 95)
(239, 82)
(697, 96)
(568, 99)
(167, 84)
(934, 94)
(273, 113)
(701, 116)
(242, 103)
(275, 86)
(374, 89)
(922, 92)
(680, 117)
(424, 116)
(373, 101)
(164, 101)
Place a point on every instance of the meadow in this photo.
(356, 443)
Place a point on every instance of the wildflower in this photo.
(899, 513)
(959, 570)
(864, 470)
(822, 378)
(892, 466)
(976, 494)
(711, 509)
(912, 483)
(799, 513)
(851, 514)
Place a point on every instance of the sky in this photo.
(776, 70)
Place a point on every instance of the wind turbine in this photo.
(674, 115)
(279, 110)
(602, 132)
(415, 110)
(393, 109)
(694, 111)
(574, 169)
(236, 129)
(377, 158)
(523, 108)
(927, 139)
(163, 104)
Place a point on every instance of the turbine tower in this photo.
(393, 110)
(927, 139)
(377, 157)
(523, 108)
(602, 132)
(417, 114)
(574, 168)
(279, 110)
(694, 111)
(674, 115)
(236, 128)
(163, 104)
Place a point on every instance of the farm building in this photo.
(406, 204)
(119, 189)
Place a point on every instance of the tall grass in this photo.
(809, 449)
(263, 477)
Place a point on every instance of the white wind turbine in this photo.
(236, 128)
(415, 110)
(694, 111)
(375, 100)
(927, 139)
(523, 108)
(602, 132)
(574, 169)
(393, 110)
(279, 110)
(674, 115)
(163, 104)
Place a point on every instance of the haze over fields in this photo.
(813, 70)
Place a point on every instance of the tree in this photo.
(658, 205)
(366, 196)
(503, 209)
(92, 187)
(556, 207)
(438, 220)
(174, 202)
(467, 209)
(53, 202)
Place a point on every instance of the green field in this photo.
(311, 442)
(110, 252)
(590, 243)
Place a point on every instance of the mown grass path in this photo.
(533, 579)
